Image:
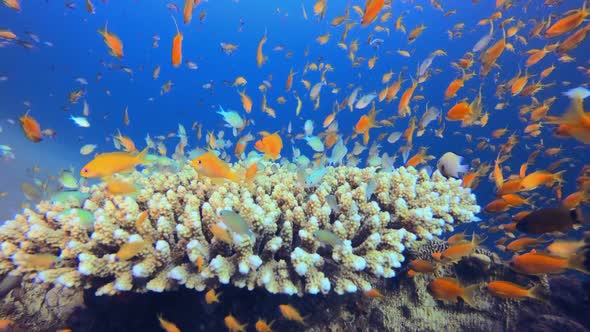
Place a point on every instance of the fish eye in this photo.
(85, 170)
(199, 162)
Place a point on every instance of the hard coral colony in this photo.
(280, 253)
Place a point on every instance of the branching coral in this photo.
(280, 254)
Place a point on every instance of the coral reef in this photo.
(40, 307)
(405, 306)
(90, 243)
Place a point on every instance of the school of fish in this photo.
(533, 165)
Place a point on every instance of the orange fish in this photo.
(365, 123)
(509, 187)
(403, 108)
(458, 112)
(573, 200)
(575, 122)
(459, 250)
(251, 172)
(233, 325)
(419, 158)
(240, 148)
(12, 4)
(533, 263)
(120, 187)
(449, 290)
(290, 313)
(565, 248)
(140, 219)
(416, 33)
(523, 243)
(167, 325)
(422, 266)
(7, 34)
(573, 41)
(373, 293)
(107, 164)
(31, 128)
(246, 101)
(536, 55)
(113, 42)
(220, 233)
(289, 82)
(271, 145)
(189, 5)
(260, 57)
(212, 297)
(5, 324)
(177, 46)
(453, 87)
(199, 262)
(456, 238)
(497, 206)
(469, 180)
(515, 200)
(130, 249)
(548, 71)
(37, 261)
(127, 142)
(210, 165)
(567, 23)
(489, 57)
(539, 178)
(393, 89)
(519, 83)
(263, 326)
(520, 215)
(372, 9)
(508, 290)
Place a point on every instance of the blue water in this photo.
(44, 76)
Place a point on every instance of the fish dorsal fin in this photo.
(453, 280)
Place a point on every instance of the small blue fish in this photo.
(80, 121)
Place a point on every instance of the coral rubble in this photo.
(97, 242)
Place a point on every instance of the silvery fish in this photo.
(338, 153)
(235, 222)
(327, 237)
(365, 100)
(315, 177)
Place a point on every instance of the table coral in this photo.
(281, 254)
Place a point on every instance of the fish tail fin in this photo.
(141, 157)
(538, 293)
(304, 318)
(580, 262)
(467, 295)
(242, 327)
(559, 176)
(235, 177)
(477, 240)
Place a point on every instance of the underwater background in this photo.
(57, 51)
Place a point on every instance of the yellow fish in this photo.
(210, 165)
(107, 164)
